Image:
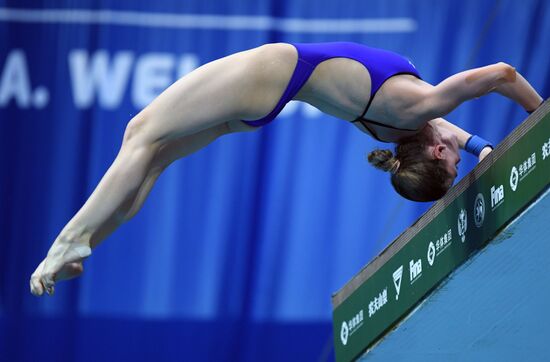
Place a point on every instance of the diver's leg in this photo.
(172, 151)
(242, 86)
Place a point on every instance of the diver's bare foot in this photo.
(64, 261)
(68, 271)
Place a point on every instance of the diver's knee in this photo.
(136, 132)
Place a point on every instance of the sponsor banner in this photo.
(464, 226)
(105, 78)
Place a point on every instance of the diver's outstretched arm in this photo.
(500, 77)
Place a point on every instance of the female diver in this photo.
(378, 91)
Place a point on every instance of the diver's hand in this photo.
(484, 153)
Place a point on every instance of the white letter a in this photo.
(14, 82)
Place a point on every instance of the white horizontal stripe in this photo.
(213, 22)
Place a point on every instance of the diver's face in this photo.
(446, 149)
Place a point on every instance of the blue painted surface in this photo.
(493, 308)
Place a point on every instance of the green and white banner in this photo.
(481, 204)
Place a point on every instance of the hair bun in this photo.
(384, 160)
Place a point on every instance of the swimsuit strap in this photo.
(367, 122)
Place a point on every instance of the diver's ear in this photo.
(439, 151)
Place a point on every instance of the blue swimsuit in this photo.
(381, 65)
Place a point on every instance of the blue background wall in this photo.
(236, 253)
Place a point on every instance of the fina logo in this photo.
(479, 210)
(497, 196)
(415, 270)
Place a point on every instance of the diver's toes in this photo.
(48, 283)
(36, 287)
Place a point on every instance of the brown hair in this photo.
(414, 175)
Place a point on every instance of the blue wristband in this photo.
(475, 144)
